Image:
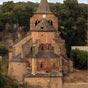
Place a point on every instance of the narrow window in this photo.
(42, 47)
(35, 23)
(42, 27)
(51, 23)
(41, 65)
(31, 49)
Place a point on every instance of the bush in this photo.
(6, 82)
(3, 50)
(3, 66)
(80, 58)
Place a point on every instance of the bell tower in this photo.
(46, 62)
(43, 11)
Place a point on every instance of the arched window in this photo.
(41, 65)
(50, 22)
(31, 49)
(36, 22)
(41, 47)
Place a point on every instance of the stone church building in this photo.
(40, 58)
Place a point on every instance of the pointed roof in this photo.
(43, 7)
(43, 26)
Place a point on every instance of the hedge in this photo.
(80, 58)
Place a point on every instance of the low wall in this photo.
(44, 82)
(84, 48)
(76, 85)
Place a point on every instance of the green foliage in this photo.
(3, 66)
(22, 13)
(71, 15)
(80, 58)
(16, 13)
(3, 50)
(5, 81)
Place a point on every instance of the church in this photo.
(40, 59)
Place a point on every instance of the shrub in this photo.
(3, 50)
(80, 58)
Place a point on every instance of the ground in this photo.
(77, 79)
(78, 76)
(76, 85)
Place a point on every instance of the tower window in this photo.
(36, 22)
(50, 22)
(42, 27)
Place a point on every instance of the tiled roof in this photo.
(18, 59)
(43, 26)
(43, 7)
(45, 54)
(51, 74)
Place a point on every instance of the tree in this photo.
(5, 81)
(3, 50)
(71, 15)
(23, 12)
(73, 20)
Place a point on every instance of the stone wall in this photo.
(84, 48)
(17, 48)
(44, 37)
(59, 47)
(44, 82)
(48, 64)
(17, 70)
(26, 48)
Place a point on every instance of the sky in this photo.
(80, 1)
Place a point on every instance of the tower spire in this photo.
(43, 7)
